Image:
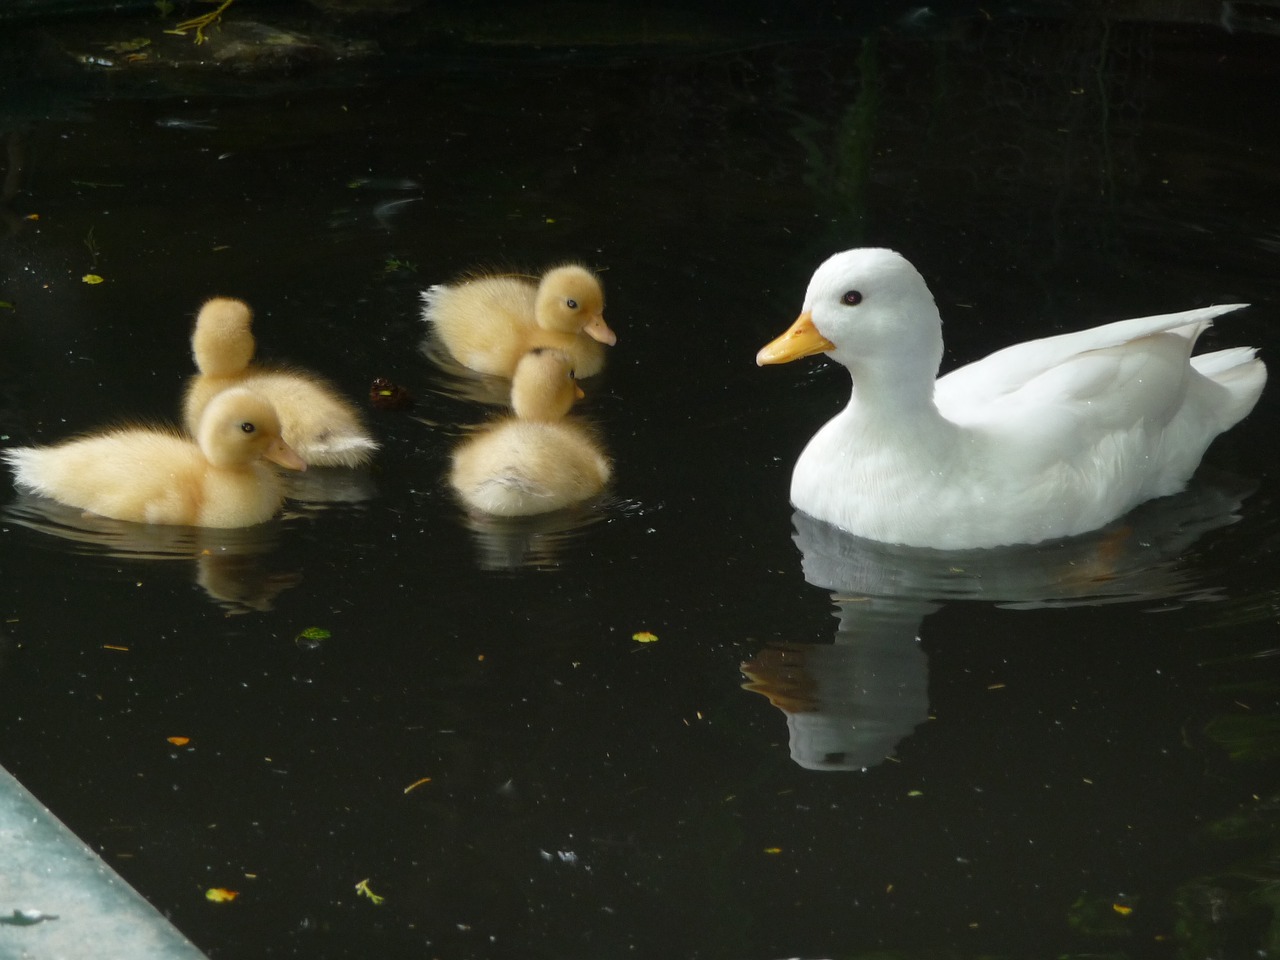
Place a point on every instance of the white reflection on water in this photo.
(849, 703)
(229, 565)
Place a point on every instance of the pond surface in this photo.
(831, 749)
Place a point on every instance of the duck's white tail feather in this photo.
(1240, 373)
(1222, 361)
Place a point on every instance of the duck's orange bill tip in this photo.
(577, 392)
(281, 453)
(597, 329)
(802, 339)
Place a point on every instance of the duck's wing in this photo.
(1077, 364)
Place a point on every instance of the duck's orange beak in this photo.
(577, 392)
(281, 453)
(597, 329)
(802, 339)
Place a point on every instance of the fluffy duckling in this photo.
(155, 475)
(1044, 439)
(535, 461)
(489, 322)
(322, 427)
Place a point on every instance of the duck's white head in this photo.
(240, 426)
(864, 307)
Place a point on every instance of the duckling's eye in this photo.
(248, 427)
(571, 303)
(851, 298)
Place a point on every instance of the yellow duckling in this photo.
(156, 475)
(489, 322)
(322, 427)
(536, 461)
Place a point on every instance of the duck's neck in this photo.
(898, 396)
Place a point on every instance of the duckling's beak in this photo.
(597, 329)
(802, 339)
(577, 392)
(281, 453)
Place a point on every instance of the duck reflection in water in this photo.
(849, 703)
(229, 565)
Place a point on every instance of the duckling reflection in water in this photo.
(488, 322)
(317, 422)
(232, 565)
(155, 475)
(536, 461)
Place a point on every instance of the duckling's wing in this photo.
(963, 392)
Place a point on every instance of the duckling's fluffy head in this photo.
(571, 300)
(240, 426)
(222, 342)
(543, 387)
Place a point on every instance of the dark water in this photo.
(1075, 757)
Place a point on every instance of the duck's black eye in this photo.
(851, 298)
(248, 427)
(571, 303)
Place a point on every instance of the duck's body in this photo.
(487, 323)
(156, 475)
(1048, 438)
(317, 421)
(535, 461)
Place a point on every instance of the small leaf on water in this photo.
(91, 278)
(362, 888)
(644, 636)
(314, 633)
(179, 741)
(772, 849)
(1122, 909)
(220, 895)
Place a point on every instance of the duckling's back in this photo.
(522, 468)
(484, 323)
(145, 476)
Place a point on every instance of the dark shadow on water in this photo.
(851, 702)
(455, 382)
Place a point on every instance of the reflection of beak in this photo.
(597, 329)
(281, 453)
(802, 339)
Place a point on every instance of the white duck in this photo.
(1044, 439)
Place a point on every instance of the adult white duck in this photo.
(1048, 438)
